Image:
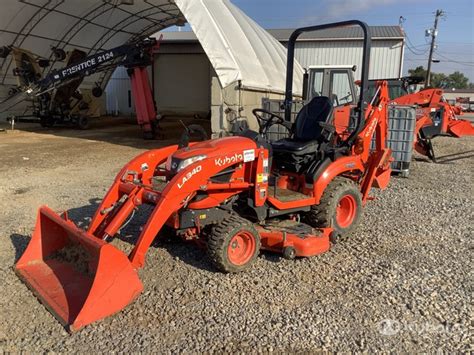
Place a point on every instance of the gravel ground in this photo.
(403, 281)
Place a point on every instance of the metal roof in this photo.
(347, 33)
(378, 32)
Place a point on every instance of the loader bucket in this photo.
(461, 128)
(77, 276)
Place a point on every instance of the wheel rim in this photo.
(241, 248)
(346, 211)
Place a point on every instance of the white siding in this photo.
(118, 90)
(386, 56)
(183, 84)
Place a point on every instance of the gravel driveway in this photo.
(404, 281)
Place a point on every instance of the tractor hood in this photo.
(224, 151)
(216, 147)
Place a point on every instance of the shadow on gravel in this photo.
(271, 256)
(454, 157)
(82, 215)
(447, 158)
(20, 242)
(121, 131)
(188, 252)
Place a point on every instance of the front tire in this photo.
(233, 245)
(340, 208)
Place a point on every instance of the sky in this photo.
(455, 41)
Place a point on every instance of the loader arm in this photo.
(145, 166)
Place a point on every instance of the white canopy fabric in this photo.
(237, 47)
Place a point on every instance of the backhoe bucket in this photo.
(460, 128)
(77, 276)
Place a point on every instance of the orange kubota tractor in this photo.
(237, 195)
(435, 117)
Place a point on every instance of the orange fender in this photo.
(340, 166)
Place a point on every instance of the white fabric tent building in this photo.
(240, 51)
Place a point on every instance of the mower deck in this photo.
(302, 230)
(294, 239)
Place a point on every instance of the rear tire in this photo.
(83, 123)
(233, 245)
(46, 122)
(340, 208)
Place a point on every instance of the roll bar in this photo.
(362, 104)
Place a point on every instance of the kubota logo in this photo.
(229, 160)
(371, 129)
(188, 176)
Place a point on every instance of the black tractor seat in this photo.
(293, 146)
(312, 129)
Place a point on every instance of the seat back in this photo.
(307, 128)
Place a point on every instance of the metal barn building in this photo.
(343, 46)
(185, 83)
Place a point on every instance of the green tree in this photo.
(439, 80)
(455, 80)
(458, 80)
(419, 71)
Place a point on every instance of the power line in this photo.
(412, 48)
(416, 53)
(409, 44)
(455, 61)
(451, 42)
(465, 65)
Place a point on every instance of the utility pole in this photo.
(434, 33)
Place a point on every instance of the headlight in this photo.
(187, 162)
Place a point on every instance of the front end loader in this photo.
(235, 195)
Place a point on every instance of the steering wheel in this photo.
(265, 123)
